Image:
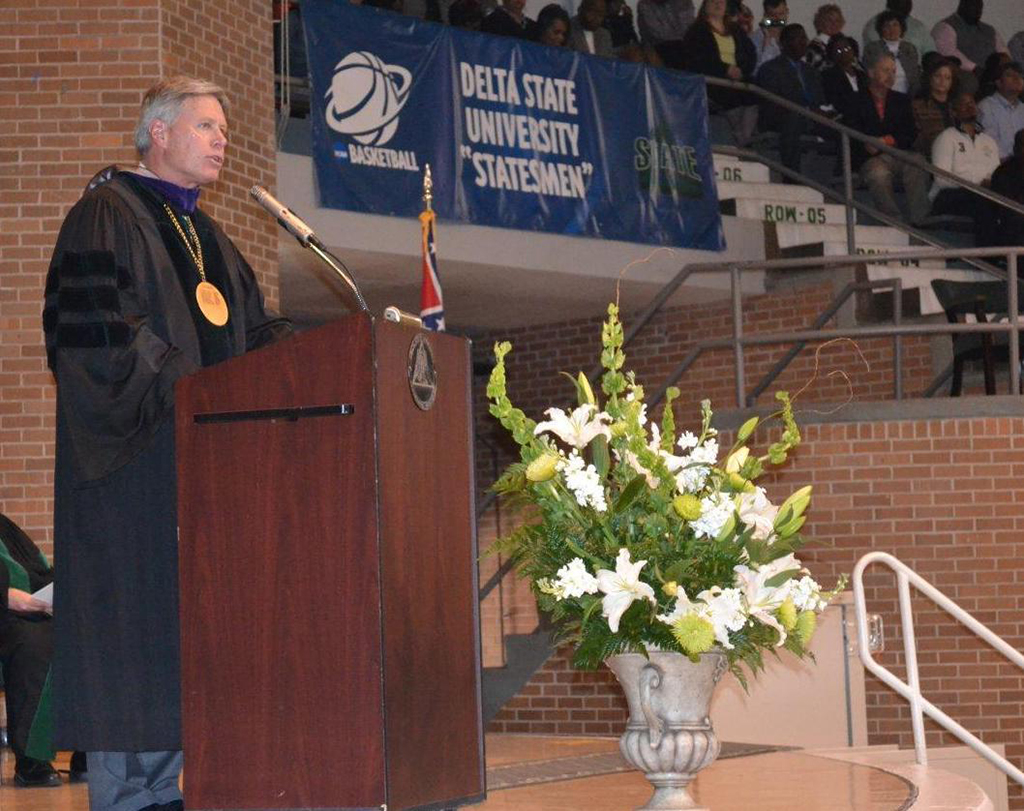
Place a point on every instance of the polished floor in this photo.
(538, 773)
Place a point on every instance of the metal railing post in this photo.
(1011, 280)
(737, 335)
(897, 339)
(910, 658)
(851, 226)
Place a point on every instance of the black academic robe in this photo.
(121, 327)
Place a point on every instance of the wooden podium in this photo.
(327, 547)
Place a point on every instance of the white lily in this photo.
(756, 511)
(724, 611)
(762, 599)
(683, 606)
(576, 429)
(621, 588)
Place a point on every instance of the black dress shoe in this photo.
(77, 771)
(32, 773)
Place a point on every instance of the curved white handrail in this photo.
(911, 689)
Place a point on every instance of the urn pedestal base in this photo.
(669, 736)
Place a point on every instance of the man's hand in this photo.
(24, 603)
(733, 72)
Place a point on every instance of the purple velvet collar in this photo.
(181, 198)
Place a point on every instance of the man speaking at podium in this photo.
(143, 288)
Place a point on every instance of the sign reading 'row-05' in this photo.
(518, 135)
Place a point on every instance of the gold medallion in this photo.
(212, 304)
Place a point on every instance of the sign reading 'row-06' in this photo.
(518, 135)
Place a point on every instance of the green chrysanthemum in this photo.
(694, 634)
(787, 615)
(687, 507)
(805, 625)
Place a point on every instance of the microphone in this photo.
(291, 223)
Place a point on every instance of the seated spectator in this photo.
(908, 61)
(883, 113)
(914, 31)
(828, 21)
(586, 32)
(715, 46)
(468, 14)
(26, 645)
(1016, 47)
(663, 21)
(967, 152)
(766, 37)
(508, 20)
(1008, 180)
(788, 76)
(962, 34)
(553, 26)
(989, 73)
(1002, 113)
(619, 22)
(744, 18)
(845, 78)
(933, 106)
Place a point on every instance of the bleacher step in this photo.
(790, 235)
(785, 212)
(728, 168)
(732, 190)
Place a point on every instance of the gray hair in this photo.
(164, 100)
(880, 56)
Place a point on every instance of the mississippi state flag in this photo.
(431, 300)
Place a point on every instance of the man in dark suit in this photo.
(508, 20)
(788, 76)
(883, 113)
(587, 33)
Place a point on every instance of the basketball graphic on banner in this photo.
(365, 98)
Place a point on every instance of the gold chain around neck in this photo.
(195, 249)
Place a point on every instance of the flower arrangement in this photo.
(639, 538)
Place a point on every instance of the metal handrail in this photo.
(739, 341)
(911, 689)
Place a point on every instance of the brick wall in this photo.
(72, 75)
(943, 495)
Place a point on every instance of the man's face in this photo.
(892, 31)
(883, 73)
(971, 10)
(833, 23)
(965, 109)
(592, 14)
(779, 12)
(1010, 84)
(192, 148)
(514, 7)
(795, 44)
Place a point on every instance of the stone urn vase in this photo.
(669, 735)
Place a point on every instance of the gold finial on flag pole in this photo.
(428, 189)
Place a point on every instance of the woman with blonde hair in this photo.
(828, 21)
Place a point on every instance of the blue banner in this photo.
(517, 135)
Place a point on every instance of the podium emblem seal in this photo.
(422, 372)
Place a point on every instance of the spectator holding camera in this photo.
(766, 37)
(845, 79)
(619, 22)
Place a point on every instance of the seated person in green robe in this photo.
(26, 643)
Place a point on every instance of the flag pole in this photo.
(428, 189)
